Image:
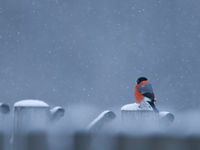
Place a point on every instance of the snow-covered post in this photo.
(4, 108)
(137, 113)
(29, 115)
(4, 116)
(166, 118)
(101, 120)
(56, 113)
(5, 126)
(133, 112)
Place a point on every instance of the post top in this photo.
(31, 103)
(130, 107)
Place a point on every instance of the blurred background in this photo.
(69, 52)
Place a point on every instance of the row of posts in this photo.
(30, 132)
(87, 141)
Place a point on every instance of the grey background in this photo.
(92, 51)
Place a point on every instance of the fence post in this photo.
(2, 141)
(193, 142)
(5, 126)
(162, 142)
(36, 140)
(125, 142)
(82, 141)
(29, 115)
(101, 120)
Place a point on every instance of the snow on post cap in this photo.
(163, 113)
(55, 109)
(130, 107)
(100, 117)
(31, 103)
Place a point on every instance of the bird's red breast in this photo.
(138, 96)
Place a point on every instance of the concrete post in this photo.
(82, 141)
(101, 120)
(29, 115)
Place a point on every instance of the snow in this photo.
(98, 118)
(144, 105)
(55, 109)
(129, 107)
(163, 113)
(31, 103)
(101, 115)
(3, 105)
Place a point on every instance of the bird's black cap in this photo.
(140, 79)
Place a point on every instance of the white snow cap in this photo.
(98, 118)
(31, 103)
(129, 107)
(102, 114)
(144, 105)
(163, 113)
(55, 109)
